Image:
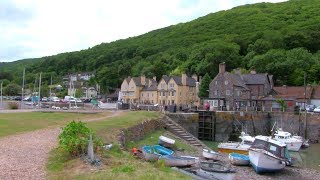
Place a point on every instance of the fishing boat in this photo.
(178, 161)
(237, 147)
(208, 154)
(239, 159)
(166, 142)
(152, 153)
(293, 144)
(267, 154)
(215, 167)
(305, 142)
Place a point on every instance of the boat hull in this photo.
(178, 161)
(293, 146)
(152, 153)
(239, 159)
(210, 154)
(262, 162)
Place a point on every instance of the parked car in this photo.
(310, 108)
(87, 100)
(44, 99)
(317, 109)
(55, 107)
(18, 98)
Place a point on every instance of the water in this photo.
(309, 157)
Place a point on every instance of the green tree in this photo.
(204, 86)
(12, 89)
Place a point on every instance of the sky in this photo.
(37, 28)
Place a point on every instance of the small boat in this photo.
(208, 154)
(178, 161)
(237, 147)
(152, 153)
(239, 159)
(215, 167)
(293, 144)
(213, 175)
(267, 155)
(166, 142)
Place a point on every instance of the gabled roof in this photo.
(137, 81)
(166, 78)
(128, 79)
(255, 78)
(190, 81)
(152, 87)
(293, 91)
(237, 80)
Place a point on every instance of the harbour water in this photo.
(309, 157)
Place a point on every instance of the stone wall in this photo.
(189, 121)
(138, 131)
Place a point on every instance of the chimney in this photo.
(154, 78)
(253, 72)
(184, 79)
(195, 77)
(143, 80)
(222, 67)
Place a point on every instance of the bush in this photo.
(75, 138)
(13, 105)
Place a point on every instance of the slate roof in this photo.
(293, 91)
(190, 81)
(166, 78)
(255, 78)
(137, 81)
(237, 80)
(152, 87)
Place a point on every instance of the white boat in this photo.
(293, 144)
(267, 154)
(178, 161)
(166, 142)
(208, 154)
(305, 142)
(237, 147)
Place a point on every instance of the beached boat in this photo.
(237, 147)
(152, 153)
(239, 159)
(208, 154)
(166, 142)
(305, 142)
(215, 167)
(178, 161)
(214, 175)
(293, 144)
(267, 154)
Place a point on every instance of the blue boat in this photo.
(239, 159)
(152, 153)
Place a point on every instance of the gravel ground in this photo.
(24, 156)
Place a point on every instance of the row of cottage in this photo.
(227, 91)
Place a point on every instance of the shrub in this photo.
(75, 138)
(13, 105)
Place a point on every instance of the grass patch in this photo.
(212, 144)
(118, 164)
(12, 123)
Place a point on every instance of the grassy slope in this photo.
(118, 164)
(12, 123)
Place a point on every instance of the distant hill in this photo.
(282, 39)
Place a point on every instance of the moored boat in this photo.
(237, 147)
(208, 154)
(166, 142)
(267, 154)
(239, 159)
(215, 167)
(293, 144)
(178, 161)
(152, 153)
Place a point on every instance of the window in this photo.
(171, 85)
(172, 93)
(216, 82)
(147, 94)
(228, 92)
(216, 92)
(142, 95)
(163, 102)
(215, 103)
(225, 82)
(163, 85)
(172, 102)
(151, 94)
(163, 93)
(238, 93)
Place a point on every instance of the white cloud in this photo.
(33, 28)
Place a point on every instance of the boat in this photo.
(202, 174)
(267, 155)
(178, 161)
(152, 153)
(305, 142)
(215, 167)
(239, 159)
(208, 154)
(293, 144)
(237, 147)
(166, 142)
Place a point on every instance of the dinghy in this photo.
(208, 154)
(239, 159)
(152, 153)
(178, 161)
(214, 167)
(166, 142)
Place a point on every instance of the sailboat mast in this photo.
(22, 89)
(50, 86)
(39, 90)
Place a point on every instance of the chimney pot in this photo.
(222, 67)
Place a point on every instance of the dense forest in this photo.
(282, 39)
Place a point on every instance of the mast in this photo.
(50, 86)
(39, 90)
(1, 95)
(22, 89)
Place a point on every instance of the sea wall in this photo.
(189, 121)
(138, 131)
